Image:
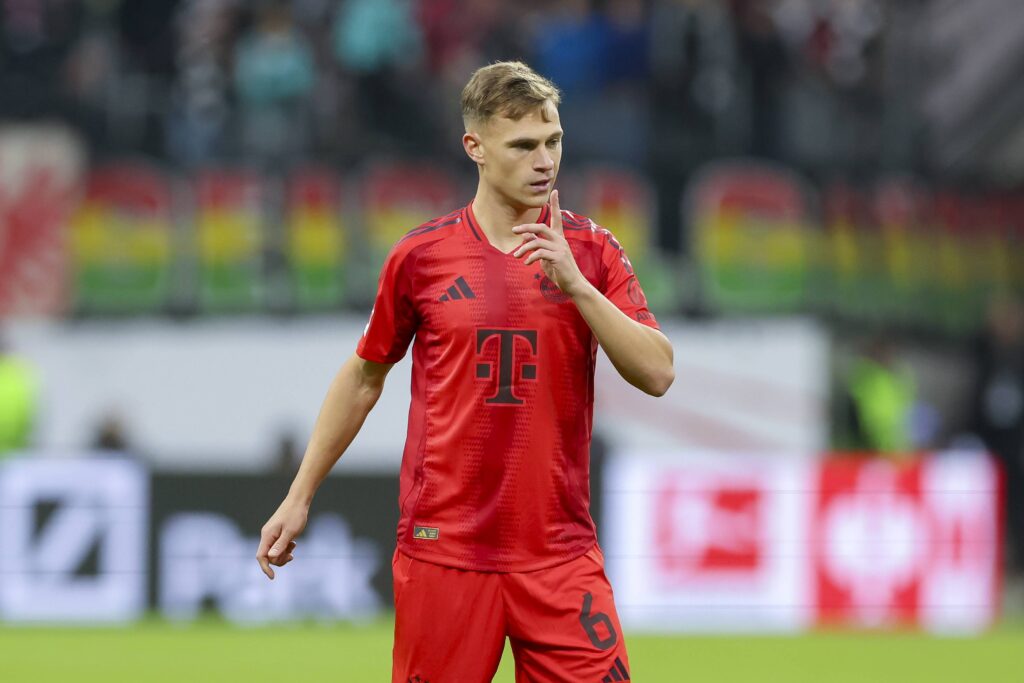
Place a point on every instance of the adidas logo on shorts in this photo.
(616, 673)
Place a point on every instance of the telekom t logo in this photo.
(506, 341)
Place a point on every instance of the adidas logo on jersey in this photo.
(616, 673)
(460, 290)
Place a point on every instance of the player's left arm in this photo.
(641, 354)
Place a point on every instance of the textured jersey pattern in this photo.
(495, 473)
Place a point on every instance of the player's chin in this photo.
(535, 196)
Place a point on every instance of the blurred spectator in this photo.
(827, 88)
(599, 59)
(18, 401)
(147, 34)
(462, 34)
(621, 104)
(998, 407)
(570, 42)
(764, 55)
(274, 73)
(693, 64)
(90, 79)
(626, 56)
(459, 36)
(199, 111)
(381, 45)
(445, 38)
(110, 435)
(90, 68)
(35, 38)
(375, 35)
(877, 402)
(288, 455)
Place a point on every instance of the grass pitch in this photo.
(158, 652)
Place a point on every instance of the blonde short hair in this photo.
(509, 89)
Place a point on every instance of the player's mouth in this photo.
(541, 185)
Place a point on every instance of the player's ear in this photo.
(474, 147)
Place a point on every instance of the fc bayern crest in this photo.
(551, 291)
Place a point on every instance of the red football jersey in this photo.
(496, 469)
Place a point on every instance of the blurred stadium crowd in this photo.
(825, 85)
(213, 80)
(821, 84)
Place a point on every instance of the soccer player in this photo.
(507, 299)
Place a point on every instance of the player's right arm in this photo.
(352, 394)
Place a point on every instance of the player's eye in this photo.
(554, 142)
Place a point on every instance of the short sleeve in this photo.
(620, 285)
(393, 319)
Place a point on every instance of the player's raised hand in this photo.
(549, 246)
(277, 539)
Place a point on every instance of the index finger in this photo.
(538, 229)
(556, 213)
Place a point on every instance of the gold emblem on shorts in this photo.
(426, 533)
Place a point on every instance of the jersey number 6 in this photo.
(590, 620)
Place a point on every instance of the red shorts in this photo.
(451, 624)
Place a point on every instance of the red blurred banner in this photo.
(41, 171)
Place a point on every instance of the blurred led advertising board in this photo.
(121, 240)
(103, 541)
(734, 543)
(206, 530)
(692, 543)
(74, 539)
(749, 228)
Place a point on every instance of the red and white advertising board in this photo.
(915, 545)
(746, 543)
(705, 543)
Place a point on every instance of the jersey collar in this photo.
(474, 226)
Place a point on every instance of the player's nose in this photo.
(543, 161)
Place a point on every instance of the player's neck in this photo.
(497, 217)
